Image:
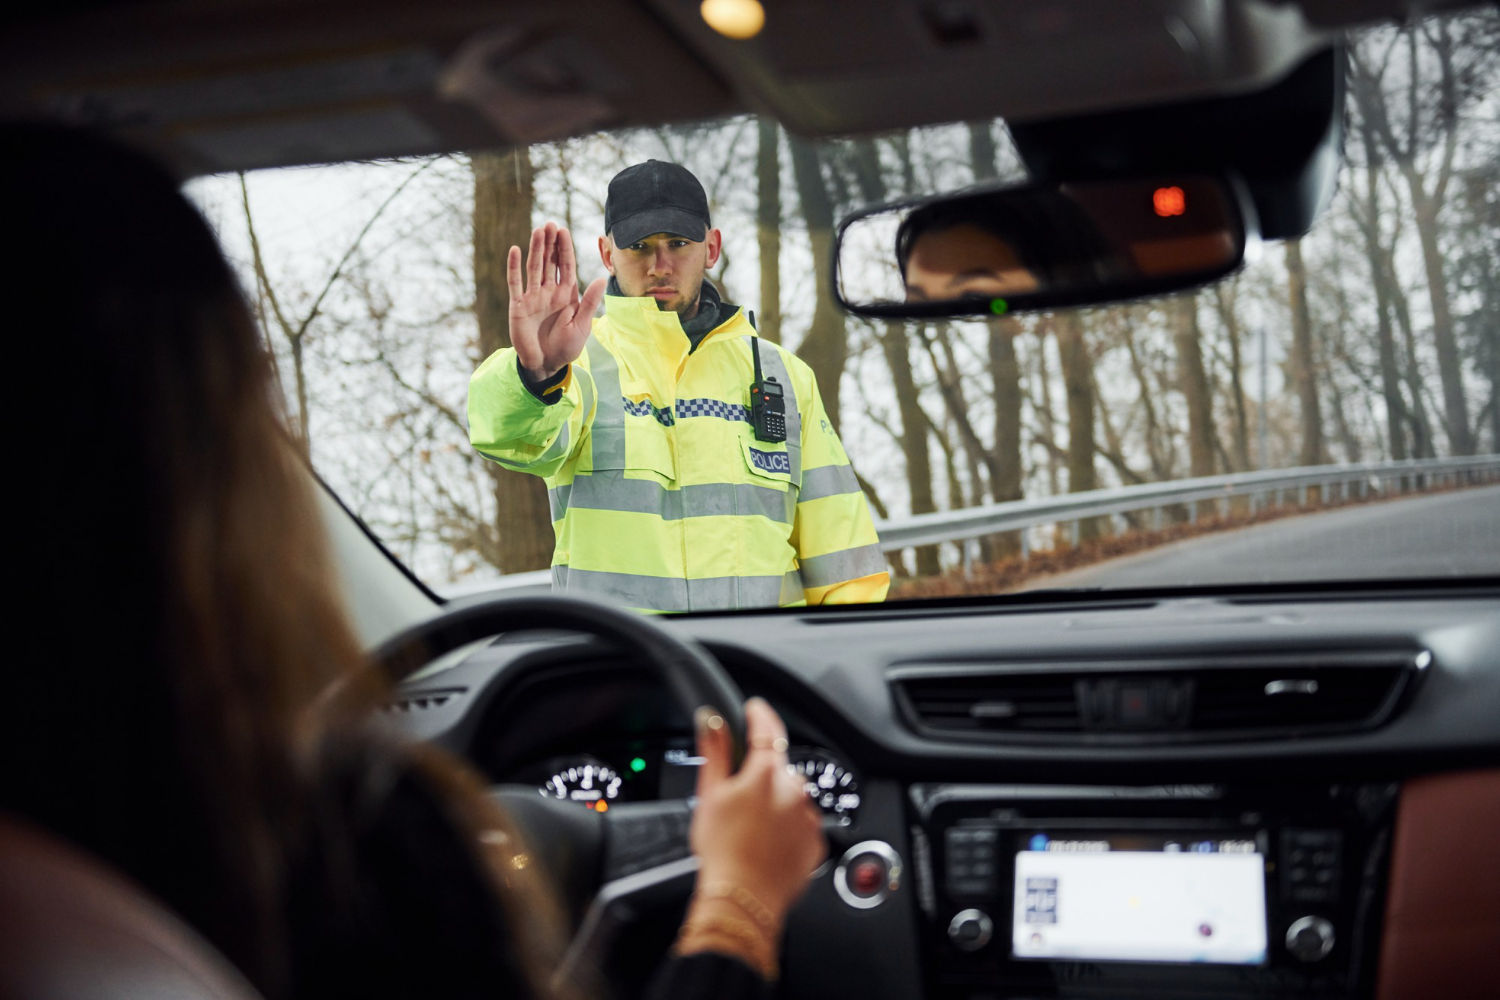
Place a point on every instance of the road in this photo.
(1450, 534)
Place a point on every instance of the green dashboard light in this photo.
(999, 306)
(637, 764)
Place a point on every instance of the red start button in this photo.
(867, 875)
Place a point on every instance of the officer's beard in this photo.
(687, 305)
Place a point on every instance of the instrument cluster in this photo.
(647, 772)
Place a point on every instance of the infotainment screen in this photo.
(1142, 898)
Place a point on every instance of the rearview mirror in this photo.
(1041, 246)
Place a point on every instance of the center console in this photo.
(1167, 891)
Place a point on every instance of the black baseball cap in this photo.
(655, 197)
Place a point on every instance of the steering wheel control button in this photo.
(970, 930)
(867, 874)
(971, 861)
(1310, 939)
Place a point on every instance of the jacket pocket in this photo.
(768, 463)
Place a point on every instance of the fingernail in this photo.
(701, 719)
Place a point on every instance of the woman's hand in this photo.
(755, 832)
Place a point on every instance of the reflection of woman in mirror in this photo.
(964, 260)
(997, 244)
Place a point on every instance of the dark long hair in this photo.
(171, 716)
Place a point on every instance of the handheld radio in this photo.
(767, 403)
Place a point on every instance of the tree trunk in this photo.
(1226, 305)
(950, 384)
(768, 228)
(914, 444)
(1048, 414)
(1450, 368)
(1302, 364)
(982, 151)
(1422, 445)
(502, 218)
(1192, 382)
(1368, 217)
(1078, 381)
(826, 346)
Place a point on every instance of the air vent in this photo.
(992, 703)
(421, 701)
(1293, 698)
(1173, 701)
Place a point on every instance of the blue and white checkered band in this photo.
(711, 408)
(645, 409)
(771, 461)
(667, 417)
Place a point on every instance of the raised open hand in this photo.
(549, 320)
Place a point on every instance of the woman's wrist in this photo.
(717, 923)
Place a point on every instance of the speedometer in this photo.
(592, 784)
(831, 785)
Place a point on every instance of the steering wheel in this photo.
(611, 867)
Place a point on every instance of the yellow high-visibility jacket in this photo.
(662, 498)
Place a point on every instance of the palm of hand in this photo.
(549, 320)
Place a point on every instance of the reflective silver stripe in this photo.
(586, 389)
(558, 449)
(557, 496)
(774, 368)
(557, 500)
(508, 463)
(608, 489)
(658, 593)
(843, 565)
(791, 588)
(608, 428)
(828, 481)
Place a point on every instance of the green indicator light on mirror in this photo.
(637, 764)
(998, 306)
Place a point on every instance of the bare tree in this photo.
(1192, 382)
(1078, 380)
(503, 194)
(768, 227)
(296, 328)
(1303, 367)
(1225, 295)
(1431, 115)
(826, 346)
(1366, 210)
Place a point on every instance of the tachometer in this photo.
(827, 782)
(590, 783)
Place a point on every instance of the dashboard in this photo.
(1133, 796)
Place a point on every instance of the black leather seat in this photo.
(72, 929)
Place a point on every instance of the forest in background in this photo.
(380, 286)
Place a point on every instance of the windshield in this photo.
(1324, 414)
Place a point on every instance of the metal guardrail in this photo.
(1270, 485)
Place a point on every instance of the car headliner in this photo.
(243, 84)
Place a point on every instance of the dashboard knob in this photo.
(970, 930)
(1309, 939)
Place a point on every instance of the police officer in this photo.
(690, 465)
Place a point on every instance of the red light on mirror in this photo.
(1168, 201)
